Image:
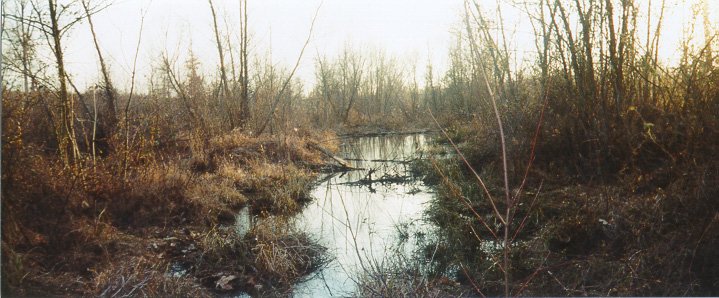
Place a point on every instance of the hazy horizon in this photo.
(415, 32)
(278, 29)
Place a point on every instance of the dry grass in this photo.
(237, 146)
(96, 217)
(588, 239)
(141, 277)
(400, 277)
(216, 197)
(283, 255)
(154, 196)
(275, 188)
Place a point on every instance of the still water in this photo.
(366, 216)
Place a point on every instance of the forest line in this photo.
(596, 113)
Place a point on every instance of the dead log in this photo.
(340, 161)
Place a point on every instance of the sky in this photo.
(414, 31)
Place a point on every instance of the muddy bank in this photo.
(567, 237)
(381, 132)
(165, 228)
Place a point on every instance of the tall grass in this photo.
(105, 223)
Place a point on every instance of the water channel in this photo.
(366, 215)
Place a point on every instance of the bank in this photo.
(164, 226)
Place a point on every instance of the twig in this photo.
(278, 97)
(461, 155)
(466, 202)
(696, 247)
(534, 140)
(508, 199)
(531, 206)
(532, 276)
(474, 284)
(129, 98)
(559, 282)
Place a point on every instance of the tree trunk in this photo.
(244, 76)
(65, 133)
(110, 95)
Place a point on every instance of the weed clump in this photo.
(142, 277)
(582, 239)
(107, 229)
(400, 277)
(283, 255)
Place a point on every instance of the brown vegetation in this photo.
(593, 173)
(97, 202)
(610, 161)
(110, 226)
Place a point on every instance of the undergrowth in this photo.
(119, 224)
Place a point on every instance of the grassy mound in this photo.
(123, 226)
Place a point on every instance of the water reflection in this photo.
(366, 215)
(244, 221)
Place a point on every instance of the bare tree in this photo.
(67, 134)
(109, 90)
(53, 21)
(325, 86)
(351, 67)
(180, 89)
(21, 56)
(244, 64)
(278, 97)
(220, 52)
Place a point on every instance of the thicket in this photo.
(593, 173)
(108, 193)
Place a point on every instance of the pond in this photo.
(365, 216)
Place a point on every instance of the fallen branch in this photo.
(386, 133)
(345, 165)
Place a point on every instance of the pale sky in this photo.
(412, 30)
(415, 31)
